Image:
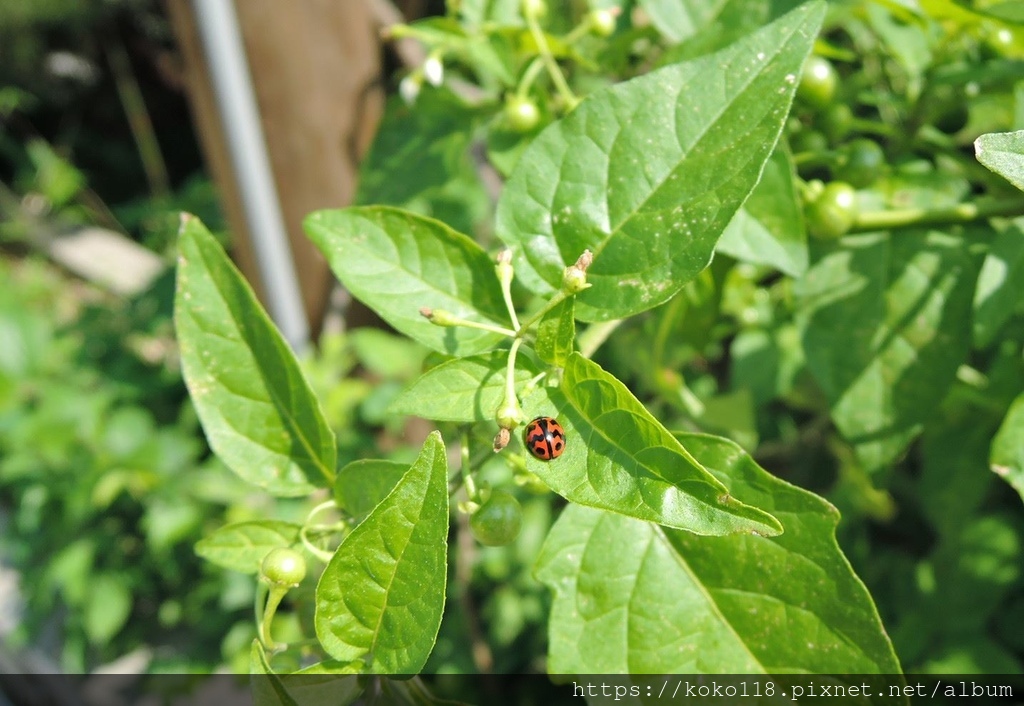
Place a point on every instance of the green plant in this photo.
(847, 366)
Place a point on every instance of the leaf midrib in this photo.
(711, 123)
(370, 254)
(276, 400)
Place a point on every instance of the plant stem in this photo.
(529, 76)
(551, 304)
(455, 321)
(138, 120)
(549, 61)
(510, 372)
(467, 479)
(917, 217)
(273, 601)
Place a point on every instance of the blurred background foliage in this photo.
(106, 482)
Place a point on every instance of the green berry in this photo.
(522, 114)
(836, 121)
(952, 117)
(808, 140)
(862, 163)
(602, 22)
(833, 212)
(818, 83)
(283, 567)
(535, 9)
(497, 522)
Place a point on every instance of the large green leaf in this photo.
(1007, 454)
(886, 324)
(647, 174)
(242, 546)
(258, 412)
(769, 229)
(382, 594)
(462, 390)
(618, 457)
(632, 597)
(1003, 153)
(397, 263)
(999, 293)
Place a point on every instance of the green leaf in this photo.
(556, 333)
(620, 458)
(953, 480)
(677, 20)
(107, 607)
(462, 390)
(242, 546)
(397, 262)
(362, 484)
(886, 324)
(648, 173)
(420, 160)
(769, 229)
(632, 597)
(999, 292)
(382, 594)
(1008, 447)
(258, 412)
(1003, 153)
(733, 20)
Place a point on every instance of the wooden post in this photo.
(315, 67)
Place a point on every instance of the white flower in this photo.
(409, 88)
(433, 70)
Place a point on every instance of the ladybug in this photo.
(545, 438)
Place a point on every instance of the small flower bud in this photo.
(585, 260)
(509, 415)
(504, 266)
(433, 70)
(438, 317)
(409, 87)
(574, 280)
(501, 439)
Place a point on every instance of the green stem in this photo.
(510, 371)
(815, 159)
(321, 554)
(578, 32)
(456, 321)
(918, 217)
(273, 601)
(529, 76)
(138, 120)
(549, 61)
(551, 304)
(467, 479)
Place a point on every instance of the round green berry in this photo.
(522, 114)
(818, 83)
(498, 520)
(602, 22)
(862, 162)
(283, 567)
(833, 212)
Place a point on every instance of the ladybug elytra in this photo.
(545, 438)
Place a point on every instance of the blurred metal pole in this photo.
(236, 100)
